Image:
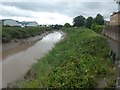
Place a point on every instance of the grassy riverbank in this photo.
(80, 60)
(9, 33)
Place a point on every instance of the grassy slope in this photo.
(80, 60)
(9, 33)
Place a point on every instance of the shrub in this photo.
(97, 28)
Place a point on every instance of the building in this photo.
(29, 24)
(115, 19)
(10, 22)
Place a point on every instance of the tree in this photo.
(89, 22)
(99, 19)
(56, 26)
(79, 21)
(67, 25)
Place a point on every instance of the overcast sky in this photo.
(55, 12)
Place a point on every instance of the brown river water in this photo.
(17, 61)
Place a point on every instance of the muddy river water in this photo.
(16, 62)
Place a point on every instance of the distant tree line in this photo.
(81, 21)
(95, 24)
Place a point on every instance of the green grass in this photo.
(80, 60)
(9, 33)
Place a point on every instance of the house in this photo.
(115, 19)
(10, 22)
(29, 24)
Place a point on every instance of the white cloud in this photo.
(48, 18)
(56, 12)
(57, 0)
(13, 11)
(26, 15)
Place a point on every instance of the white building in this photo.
(10, 22)
(32, 24)
(29, 24)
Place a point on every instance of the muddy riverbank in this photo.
(17, 45)
(19, 42)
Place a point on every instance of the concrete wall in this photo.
(112, 29)
(112, 32)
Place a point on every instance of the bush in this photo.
(97, 28)
(67, 25)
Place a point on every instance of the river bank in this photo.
(17, 45)
(10, 33)
(18, 42)
(80, 60)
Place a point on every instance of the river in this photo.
(16, 62)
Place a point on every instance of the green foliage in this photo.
(89, 22)
(67, 25)
(99, 19)
(79, 60)
(8, 33)
(97, 28)
(79, 21)
(57, 26)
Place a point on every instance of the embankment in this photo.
(11, 33)
(13, 37)
(80, 60)
(14, 43)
